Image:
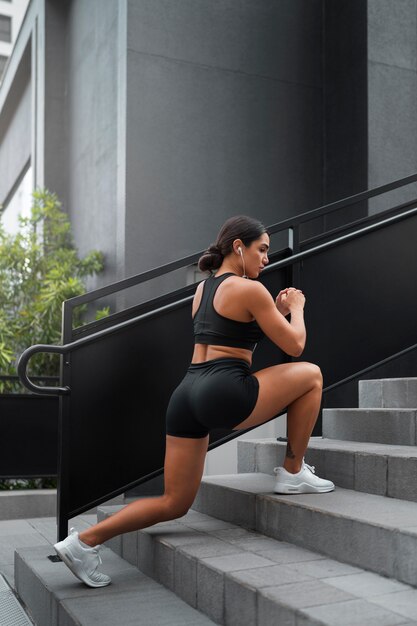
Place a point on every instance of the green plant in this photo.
(7, 484)
(39, 269)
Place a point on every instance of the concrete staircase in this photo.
(245, 556)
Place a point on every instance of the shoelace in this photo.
(99, 557)
(95, 548)
(94, 571)
(312, 468)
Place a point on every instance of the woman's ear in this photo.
(236, 245)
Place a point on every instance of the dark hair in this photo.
(238, 227)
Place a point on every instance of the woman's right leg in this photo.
(184, 463)
(183, 469)
(297, 386)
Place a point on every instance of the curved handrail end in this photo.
(22, 370)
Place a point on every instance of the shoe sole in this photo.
(302, 488)
(75, 565)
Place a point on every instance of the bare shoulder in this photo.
(259, 296)
(249, 293)
(256, 287)
(197, 296)
(200, 287)
(256, 290)
(199, 291)
(247, 287)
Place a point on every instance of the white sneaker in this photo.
(82, 562)
(304, 481)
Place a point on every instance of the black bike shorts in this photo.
(219, 393)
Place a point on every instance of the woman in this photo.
(230, 315)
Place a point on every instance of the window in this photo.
(5, 28)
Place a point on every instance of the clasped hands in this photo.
(289, 299)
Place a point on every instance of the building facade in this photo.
(146, 116)
(154, 121)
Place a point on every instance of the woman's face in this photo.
(256, 256)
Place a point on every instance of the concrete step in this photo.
(392, 426)
(391, 393)
(365, 530)
(55, 597)
(381, 469)
(242, 578)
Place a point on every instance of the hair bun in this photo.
(242, 227)
(211, 259)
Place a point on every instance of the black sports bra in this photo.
(212, 328)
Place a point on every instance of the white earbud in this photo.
(243, 261)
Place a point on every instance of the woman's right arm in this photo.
(290, 336)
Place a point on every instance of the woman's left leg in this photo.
(183, 469)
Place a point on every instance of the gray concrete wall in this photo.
(224, 116)
(156, 120)
(92, 87)
(392, 96)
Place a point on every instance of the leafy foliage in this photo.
(39, 269)
(8, 484)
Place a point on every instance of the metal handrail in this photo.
(334, 242)
(34, 377)
(340, 204)
(27, 354)
(23, 363)
(370, 368)
(368, 219)
(288, 223)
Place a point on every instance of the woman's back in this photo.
(213, 327)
